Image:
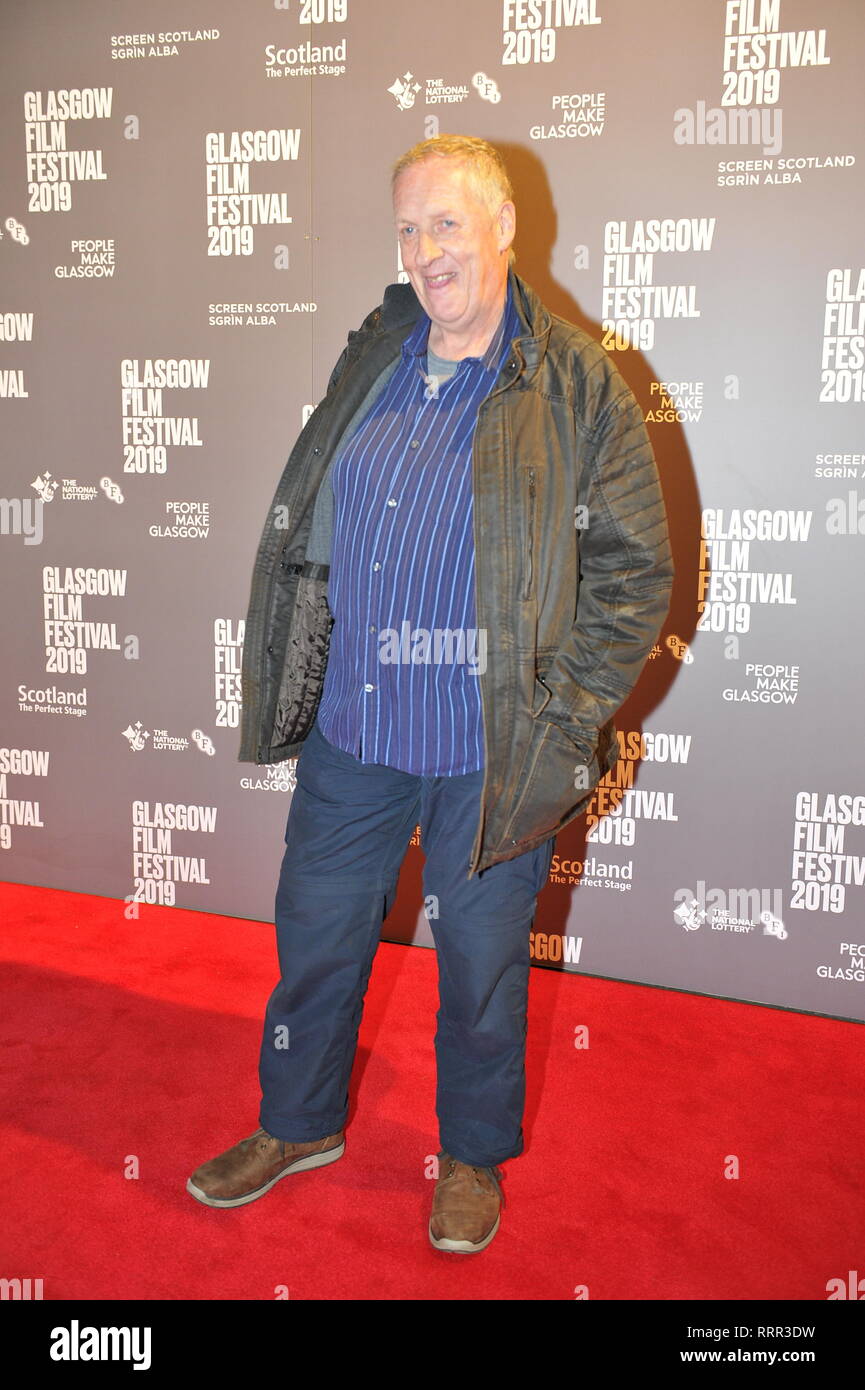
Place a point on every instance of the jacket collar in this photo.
(534, 319)
(401, 308)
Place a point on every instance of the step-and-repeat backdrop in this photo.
(194, 208)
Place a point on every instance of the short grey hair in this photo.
(486, 170)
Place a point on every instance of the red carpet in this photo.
(134, 1044)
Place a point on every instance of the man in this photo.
(464, 570)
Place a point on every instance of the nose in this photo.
(428, 248)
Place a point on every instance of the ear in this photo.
(506, 223)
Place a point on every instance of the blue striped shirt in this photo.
(402, 679)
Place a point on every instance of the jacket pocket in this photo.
(558, 778)
(529, 499)
(540, 698)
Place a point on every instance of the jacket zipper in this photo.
(528, 561)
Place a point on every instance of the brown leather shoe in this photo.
(251, 1168)
(466, 1206)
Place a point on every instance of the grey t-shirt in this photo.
(439, 366)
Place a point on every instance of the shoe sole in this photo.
(463, 1247)
(300, 1165)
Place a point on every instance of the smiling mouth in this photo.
(435, 282)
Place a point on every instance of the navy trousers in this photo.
(349, 826)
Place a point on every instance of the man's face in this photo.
(453, 248)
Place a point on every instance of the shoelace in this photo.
(494, 1174)
(264, 1138)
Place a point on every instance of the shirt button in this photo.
(391, 501)
(376, 566)
(371, 628)
(415, 444)
(369, 687)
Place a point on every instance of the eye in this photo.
(406, 230)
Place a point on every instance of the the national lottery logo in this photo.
(16, 231)
(137, 736)
(486, 87)
(111, 490)
(439, 91)
(45, 485)
(164, 742)
(690, 915)
(73, 491)
(404, 91)
(731, 911)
